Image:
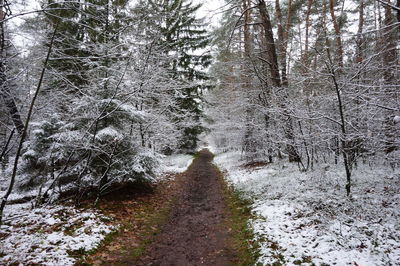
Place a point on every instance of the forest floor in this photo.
(305, 218)
(62, 234)
(191, 219)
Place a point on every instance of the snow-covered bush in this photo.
(42, 155)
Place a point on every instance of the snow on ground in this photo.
(57, 235)
(176, 163)
(54, 235)
(306, 218)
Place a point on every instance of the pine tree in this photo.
(91, 68)
(184, 37)
(84, 30)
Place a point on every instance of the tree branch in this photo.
(389, 5)
(25, 130)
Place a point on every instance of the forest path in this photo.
(195, 233)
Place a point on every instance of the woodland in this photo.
(95, 94)
(309, 80)
(109, 86)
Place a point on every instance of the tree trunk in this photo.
(359, 41)
(275, 78)
(270, 48)
(281, 42)
(4, 151)
(389, 46)
(306, 46)
(338, 37)
(398, 11)
(283, 38)
(249, 145)
(9, 102)
(5, 91)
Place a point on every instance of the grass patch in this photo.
(242, 238)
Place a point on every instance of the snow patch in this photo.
(176, 163)
(49, 236)
(109, 133)
(306, 218)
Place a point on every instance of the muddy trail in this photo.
(194, 233)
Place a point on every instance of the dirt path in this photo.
(194, 233)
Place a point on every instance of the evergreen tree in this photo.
(90, 69)
(183, 36)
(85, 28)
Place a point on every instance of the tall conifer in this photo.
(184, 37)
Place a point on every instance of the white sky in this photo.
(211, 10)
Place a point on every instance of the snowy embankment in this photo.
(306, 218)
(57, 234)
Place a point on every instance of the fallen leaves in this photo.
(139, 218)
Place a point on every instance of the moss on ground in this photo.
(239, 214)
(154, 220)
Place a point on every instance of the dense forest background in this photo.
(93, 92)
(312, 81)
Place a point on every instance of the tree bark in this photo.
(9, 101)
(5, 148)
(5, 90)
(283, 38)
(389, 45)
(249, 145)
(306, 45)
(270, 47)
(390, 62)
(398, 11)
(338, 37)
(360, 55)
(281, 42)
